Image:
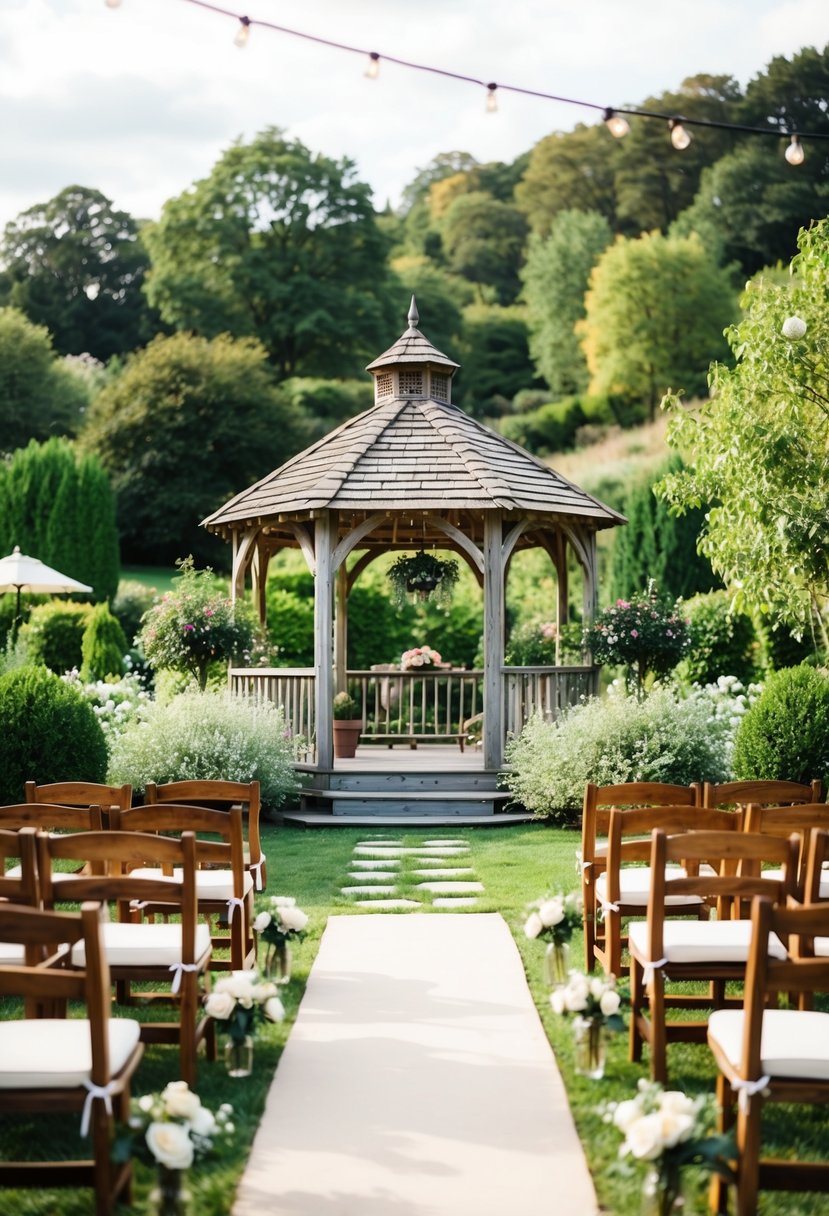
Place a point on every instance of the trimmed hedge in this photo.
(54, 634)
(785, 734)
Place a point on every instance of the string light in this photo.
(680, 138)
(373, 69)
(491, 99)
(112, 3)
(617, 125)
(243, 32)
(794, 153)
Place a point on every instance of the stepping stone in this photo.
(371, 851)
(450, 888)
(374, 865)
(442, 873)
(443, 843)
(371, 844)
(375, 875)
(462, 902)
(368, 890)
(387, 903)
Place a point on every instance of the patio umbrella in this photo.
(18, 571)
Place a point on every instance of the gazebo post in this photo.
(324, 538)
(341, 631)
(493, 733)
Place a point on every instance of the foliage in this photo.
(54, 634)
(8, 611)
(441, 298)
(291, 626)
(242, 1000)
(171, 1128)
(723, 643)
(550, 428)
(187, 424)
(556, 276)
(760, 448)
(49, 733)
(655, 313)
(495, 359)
(532, 644)
(610, 740)
(38, 396)
(555, 918)
(117, 704)
(76, 264)
(208, 736)
(131, 601)
(344, 708)
(595, 998)
(103, 646)
(424, 575)
(484, 243)
(572, 171)
(785, 734)
(645, 634)
(322, 405)
(195, 625)
(280, 245)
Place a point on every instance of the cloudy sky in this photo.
(139, 101)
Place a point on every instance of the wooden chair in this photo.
(764, 793)
(623, 889)
(784, 821)
(224, 888)
(73, 1064)
(221, 794)
(715, 950)
(18, 883)
(768, 1054)
(592, 861)
(49, 817)
(176, 953)
(80, 794)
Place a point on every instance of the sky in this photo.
(140, 100)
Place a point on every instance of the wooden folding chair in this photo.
(799, 820)
(592, 860)
(80, 794)
(768, 1054)
(221, 794)
(763, 793)
(175, 953)
(224, 887)
(18, 883)
(623, 889)
(684, 950)
(50, 1065)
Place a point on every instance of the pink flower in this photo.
(189, 628)
(634, 633)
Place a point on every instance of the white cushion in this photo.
(143, 945)
(795, 1042)
(702, 941)
(41, 1053)
(635, 886)
(210, 884)
(12, 954)
(822, 947)
(57, 875)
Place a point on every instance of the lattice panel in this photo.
(385, 385)
(411, 384)
(440, 387)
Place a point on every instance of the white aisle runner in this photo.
(417, 1081)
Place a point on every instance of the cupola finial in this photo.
(414, 315)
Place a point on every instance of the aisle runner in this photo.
(417, 1081)
(410, 872)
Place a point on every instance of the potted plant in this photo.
(347, 726)
(424, 576)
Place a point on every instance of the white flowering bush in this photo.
(172, 1128)
(116, 704)
(208, 736)
(609, 740)
(590, 996)
(241, 1001)
(554, 918)
(726, 700)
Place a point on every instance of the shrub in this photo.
(722, 643)
(785, 735)
(206, 736)
(54, 634)
(104, 645)
(116, 704)
(644, 634)
(49, 733)
(613, 739)
(131, 602)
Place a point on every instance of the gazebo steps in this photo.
(404, 804)
(315, 819)
(433, 782)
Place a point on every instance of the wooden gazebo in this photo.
(412, 472)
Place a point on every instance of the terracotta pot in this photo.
(347, 733)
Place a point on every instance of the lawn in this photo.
(516, 866)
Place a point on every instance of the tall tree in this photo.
(76, 265)
(655, 314)
(277, 244)
(494, 358)
(39, 396)
(573, 170)
(484, 242)
(556, 275)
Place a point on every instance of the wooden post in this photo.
(324, 536)
(493, 640)
(562, 591)
(341, 630)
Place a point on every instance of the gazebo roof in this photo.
(412, 347)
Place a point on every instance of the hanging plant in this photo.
(424, 576)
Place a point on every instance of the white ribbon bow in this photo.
(256, 869)
(607, 906)
(747, 1089)
(179, 969)
(95, 1091)
(650, 969)
(232, 904)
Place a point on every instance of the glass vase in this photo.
(590, 1047)
(170, 1197)
(662, 1192)
(239, 1056)
(557, 964)
(278, 963)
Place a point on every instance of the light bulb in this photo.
(491, 99)
(794, 153)
(617, 124)
(373, 67)
(243, 32)
(112, 3)
(680, 138)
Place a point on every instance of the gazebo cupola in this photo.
(412, 369)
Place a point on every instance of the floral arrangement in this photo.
(284, 923)
(594, 998)
(344, 708)
(117, 704)
(644, 634)
(554, 918)
(172, 1128)
(424, 575)
(420, 656)
(240, 1001)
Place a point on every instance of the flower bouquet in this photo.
(420, 656)
(596, 1002)
(278, 928)
(238, 1003)
(554, 919)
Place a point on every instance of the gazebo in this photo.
(413, 472)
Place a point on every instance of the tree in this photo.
(188, 423)
(761, 450)
(790, 95)
(441, 299)
(484, 242)
(556, 276)
(280, 245)
(494, 358)
(570, 171)
(76, 265)
(39, 397)
(445, 164)
(655, 313)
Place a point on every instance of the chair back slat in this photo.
(768, 793)
(79, 793)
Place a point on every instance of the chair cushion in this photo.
(50, 1053)
(210, 884)
(12, 954)
(143, 945)
(702, 941)
(795, 1042)
(635, 887)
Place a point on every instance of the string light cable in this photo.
(615, 118)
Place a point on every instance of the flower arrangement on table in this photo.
(554, 919)
(278, 928)
(420, 656)
(596, 1003)
(668, 1129)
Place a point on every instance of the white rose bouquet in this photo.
(241, 1000)
(172, 1128)
(593, 997)
(554, 918)
(283, 923)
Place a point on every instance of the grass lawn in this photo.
(157, 578)
(516, 866)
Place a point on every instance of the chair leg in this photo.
(613, 939)
(748, 1156)
(635, 1039)
(659, 1044)
(718, 1190)
(188, 1010)
(589, 913)
(104, 1172)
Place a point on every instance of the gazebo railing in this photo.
(544, 690)
(292, 689)
(429, 703)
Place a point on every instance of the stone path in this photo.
(407, 872)
(417, 1081)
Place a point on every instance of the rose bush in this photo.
(646, 634)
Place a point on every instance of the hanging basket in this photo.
(424, 576)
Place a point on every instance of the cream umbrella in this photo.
(18, 571)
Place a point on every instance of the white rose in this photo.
(576, 994)
(557, 1002)
(677, 1102)
(240, 985)
(203, 1122)
(145, 1103)
(171, 1145)
(533, 926)
(644, 1138)
(265, 990)
(794, 328)
(551, 913)
(274, 1009)
(598, 987)
(293, 918)
(179, 1100)
(675, 1126)
(262, 921)
(627, 1113)
(609, 1002)
(282, 901)
(219, 1005)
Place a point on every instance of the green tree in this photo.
(655, 313)
(761, 447)
(277, 244)
(39, 397)
(76, 264)
(494, 358)
(445, 164)
(104, 645)
(484, 242)
(441, 299)
(570, 171)
(556, 276)
(790, 95)
(187, 424)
